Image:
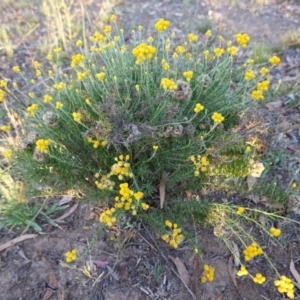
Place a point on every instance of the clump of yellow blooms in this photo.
(59, 86)
(122, 167)
(168, 84)
(180, 49)
(32, 109)
(7, 153)
(259, 278)
(71, 255)
(263, 85)
(97, 142)
(42, 145)
(16, 69)
(219, 51)
(58, 105)
(274, 60)
(47, 98)
(143, 52)
(285, 285)
(242, 271)
(249, 75)
(98, 37)
(242, 39)
(174, 237)
(77, 116)
(5, 127)
(263, 71)
(198, 107)
(100, 76)
(275, 232)
(217, 117)
(240, 210)
(257, 94)
(162, 25)
(208, 33)
(252, 251)
(188, 75)
(232, 50)
(76, 60)
(165, 64)
(201, 163)
(208, 273)
(192, 38)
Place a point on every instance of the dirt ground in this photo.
(134, 263)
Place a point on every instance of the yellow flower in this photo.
(249, 75)
(165, 65)
(263, 85)
(259, 278)
(162, 25)
(15, 84)
(208, 33)
(77, 116)
(275, 232)
(38, 73)
(7, 153)
(192, 38)
(143, 52)
(57, 50)
(180, 49)
(59, 86)
(274, 60)
(88, 101)
(33, 81)
(240, 210)
(242, 272)
(232, 50)
(188, 75)
(71, 255)
(206, 54)
(219, 51)
(47, 98)
(155, 147)
(32, 109)
(107, 29)
(42, 145)
(294, 185)
(168, 223)
(168, 84)
(263, 71)
(16, 69)
(5, 128)
(100, 76)
(145, 206)
(81, 75)
(257, 95)
(79, 43)
(285, 285)
(58, 105)
(198, 107)
(113, 18)
(150, 39)
(242, 39)
(217, 118)
(76, 60)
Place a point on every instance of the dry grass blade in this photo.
(294, 272)
(17, 240)
(195, 274)
(230, 270)
(67, 213)
(182, 271)
(52, 284)
(162, 188)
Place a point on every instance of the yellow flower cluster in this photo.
(257, 95)
(285, 285)
(59, 86)
(162, 25)
(208, 274)
(174, 237)
(100, 76)
(143, 52)
(57, 50)
(263, 71)
(16, 69)
(5, 127)
(71, 255)
(81, 75)
(58, 105)
(32, 109)
(259, 278)
(107, 217)
(274, 60)
(232, 50)
(240, 210)
(7, 153)
(198, 107)
(121, 168)
(180, 49)
(76, 60)
(249, 75)
(107, 29)
(2, 95)
(263, 85)
(252, 251)
(219, 51)
(242, 271)
(217, 118)
(168, 84)
(242, 39)
(42, 145)
(97, 142)
(192, 38)
(275, 232)
(165, 64)
(201, 163)
(98, 37)
(208, 33)
(188, 75)
(47, 98)
(77, 116)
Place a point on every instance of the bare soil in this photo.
(138, 263)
